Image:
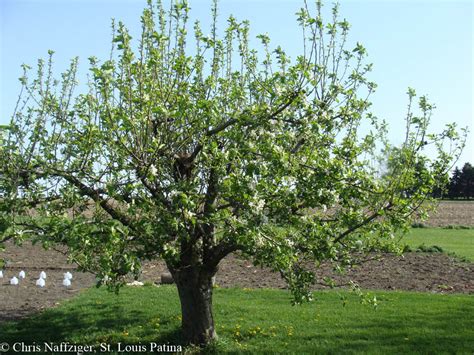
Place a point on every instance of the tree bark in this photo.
(195, 294)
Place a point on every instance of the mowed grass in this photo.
(458, 241)
(261, 321)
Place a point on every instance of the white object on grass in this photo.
(22, 274)
(43, 275)
(40, 282)
(68, 276)
(135, 283)
(1, 274)
(66, 282)
(14, 281)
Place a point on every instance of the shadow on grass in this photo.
(90, 324)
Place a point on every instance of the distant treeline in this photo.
(461, 184)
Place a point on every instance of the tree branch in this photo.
(232, 121)
(95, 195)
(363, 223)
(218, 252)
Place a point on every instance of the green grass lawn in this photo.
(261, 321)
(458, 241)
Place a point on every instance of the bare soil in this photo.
(452, 213)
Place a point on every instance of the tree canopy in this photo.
(189, 152)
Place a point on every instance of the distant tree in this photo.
(189, 155)
(461, 184)
(454, 190)
(466, 182)
(441, 191)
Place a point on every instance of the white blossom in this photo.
(189, 214)
(259, 242)
(258, 205)
(278, 89)
(289, 180)
(278, 149)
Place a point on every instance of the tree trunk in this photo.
(195, 294)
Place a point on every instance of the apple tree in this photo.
(187, 146)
